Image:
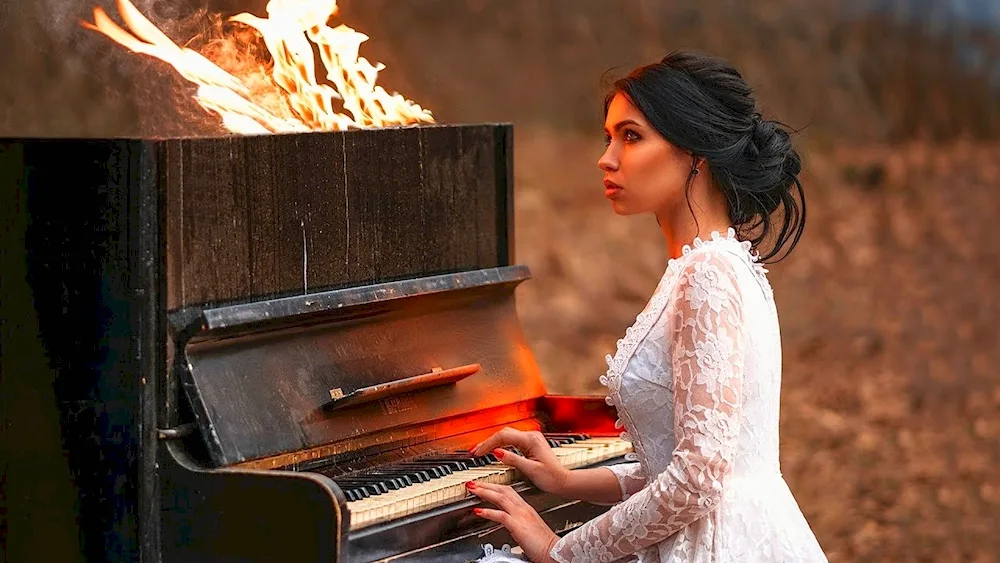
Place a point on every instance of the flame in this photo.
(291, 30)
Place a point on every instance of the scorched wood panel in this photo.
(272, 215)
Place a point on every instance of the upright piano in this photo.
(270, 348)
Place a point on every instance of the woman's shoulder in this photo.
(723, 250)
(721, 261)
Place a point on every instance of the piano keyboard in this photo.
(398, 490)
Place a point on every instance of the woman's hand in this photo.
(539, 463)
(527, 528)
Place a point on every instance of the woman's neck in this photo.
(682, 228)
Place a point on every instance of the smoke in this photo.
(53, 75)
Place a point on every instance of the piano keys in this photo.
(400, 490)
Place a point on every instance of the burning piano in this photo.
(280, 345)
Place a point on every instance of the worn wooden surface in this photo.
(262, 395)
(254, 217)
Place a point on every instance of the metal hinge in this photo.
(176, 432)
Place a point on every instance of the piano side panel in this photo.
(264, 216)
(222, 516)
(81, 349)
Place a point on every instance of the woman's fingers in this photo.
(500, 439)
(500, 495)
(490, 514)
(510, 458)
(506, 437)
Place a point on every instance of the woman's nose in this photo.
(608, 161)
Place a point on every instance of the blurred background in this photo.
(890, 426)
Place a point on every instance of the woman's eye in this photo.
(607, 140)
(631, 135)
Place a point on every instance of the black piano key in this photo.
(382, 477)
(372, 486)
(407, 477)
(370, 489)
(360, 492)
(420, 476)
(412, 474)
(432, 472)
(426, 473)
(445, 468)
(349, 493)
(417, 476)
(393, 484)
(574, 437)
(388, 483)
(454, 465)
(401, 480)
(465, 458)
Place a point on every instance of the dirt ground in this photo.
(890, 439)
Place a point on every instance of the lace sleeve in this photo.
(706, 355)
(631, 477)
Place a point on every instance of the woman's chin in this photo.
(620, 208)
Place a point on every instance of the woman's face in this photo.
(643, 172)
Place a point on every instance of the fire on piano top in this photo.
(284, 93)
(277, 347)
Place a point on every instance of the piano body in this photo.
(270, 348)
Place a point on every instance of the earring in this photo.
(695, 171)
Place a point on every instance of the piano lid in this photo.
(291, 374)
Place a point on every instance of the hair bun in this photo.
(770, 147)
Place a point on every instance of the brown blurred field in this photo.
(890, 438)
(890, 426)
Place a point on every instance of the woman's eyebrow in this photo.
(623, 123)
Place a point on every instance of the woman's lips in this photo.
(611, 189)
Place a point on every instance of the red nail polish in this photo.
(499, 453)
(478, 511)
(470, 484)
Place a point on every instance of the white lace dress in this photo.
(696, 382)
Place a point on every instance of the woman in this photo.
(696, 379)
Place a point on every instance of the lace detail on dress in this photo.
(635, 334)
(631, 477)
(706, 355)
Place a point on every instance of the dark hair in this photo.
(704, 106)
